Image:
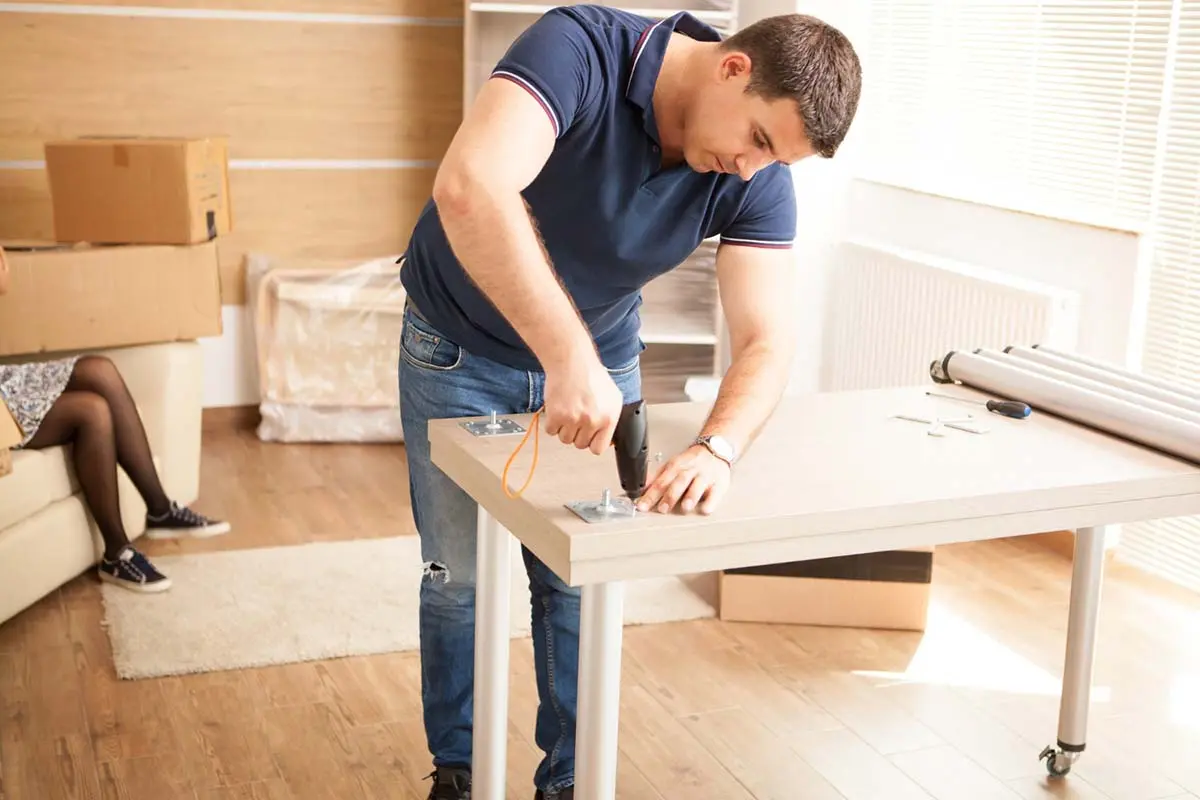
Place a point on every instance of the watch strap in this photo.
(706, 442)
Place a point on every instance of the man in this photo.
(602, 151)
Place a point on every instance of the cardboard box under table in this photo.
(888, 590)
(64, 298)
(139, 190)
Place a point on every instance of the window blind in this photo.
(1172, 344)
(1044, 106)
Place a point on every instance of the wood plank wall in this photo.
(337, 111)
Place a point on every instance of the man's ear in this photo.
(735, 64)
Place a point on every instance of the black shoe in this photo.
(450, 783)
(132, 570)
(562, 794)
(182, 521)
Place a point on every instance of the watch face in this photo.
(721, 447)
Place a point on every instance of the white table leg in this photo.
(489, 736)
(601, 628)
(1087, 575)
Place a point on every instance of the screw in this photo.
(658, 457)
(606, 499)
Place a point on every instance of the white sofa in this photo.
(47, 536)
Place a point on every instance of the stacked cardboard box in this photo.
(145, 190)
(137, 225)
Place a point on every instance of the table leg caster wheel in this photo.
(1058, 763)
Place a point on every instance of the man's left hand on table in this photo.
(693, 480)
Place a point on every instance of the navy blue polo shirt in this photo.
(610, 216)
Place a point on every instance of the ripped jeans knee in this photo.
(444, 597)
(435, 572)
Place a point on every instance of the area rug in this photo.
(276, 605)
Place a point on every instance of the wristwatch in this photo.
(719, 446)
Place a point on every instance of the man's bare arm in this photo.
(499, 149)
(757, 297)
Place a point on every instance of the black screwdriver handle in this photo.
(1009, 408)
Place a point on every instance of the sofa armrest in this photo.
(167, 384)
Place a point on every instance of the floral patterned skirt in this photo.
(30, 390)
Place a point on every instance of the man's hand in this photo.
(582, 404)
(693, 479)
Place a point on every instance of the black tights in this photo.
(98, 417)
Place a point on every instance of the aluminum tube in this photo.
(1158, 383)
(1132, 421)
(1087, 574)
(602, 616)
(1121, 380)
(489, 737)
(1100, 387)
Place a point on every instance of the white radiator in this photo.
(892, 312)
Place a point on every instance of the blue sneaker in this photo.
(180, 521)
(133, 571)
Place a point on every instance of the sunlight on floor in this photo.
(953, 652)
(1184, 709)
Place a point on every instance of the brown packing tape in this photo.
(120, 155)
(890, 566)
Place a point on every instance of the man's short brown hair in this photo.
(810, 61)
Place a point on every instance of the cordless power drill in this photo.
(631, 440)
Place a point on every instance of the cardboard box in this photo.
(888, 590)
(10, 436)
(84, 297)
(151, 190)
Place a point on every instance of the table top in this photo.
(831, 474)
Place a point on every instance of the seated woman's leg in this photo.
(97, 375)
(82, 420)
(164, 518)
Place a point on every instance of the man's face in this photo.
(729, 130)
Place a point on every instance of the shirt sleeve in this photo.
(555, 61)
(767, 217)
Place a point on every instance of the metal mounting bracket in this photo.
(493, 426)
(606, 509)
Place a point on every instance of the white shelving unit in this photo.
(681, 317)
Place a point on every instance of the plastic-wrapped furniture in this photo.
(327, 340)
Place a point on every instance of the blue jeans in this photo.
(439, 379)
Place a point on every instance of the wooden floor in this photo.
(710, 711)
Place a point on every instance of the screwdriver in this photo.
(1007, 408)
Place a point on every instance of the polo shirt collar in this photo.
(648, 58)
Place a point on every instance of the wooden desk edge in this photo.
(589, 563)
(927, 534)
(517, 516)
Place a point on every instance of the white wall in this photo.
(230, 369)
